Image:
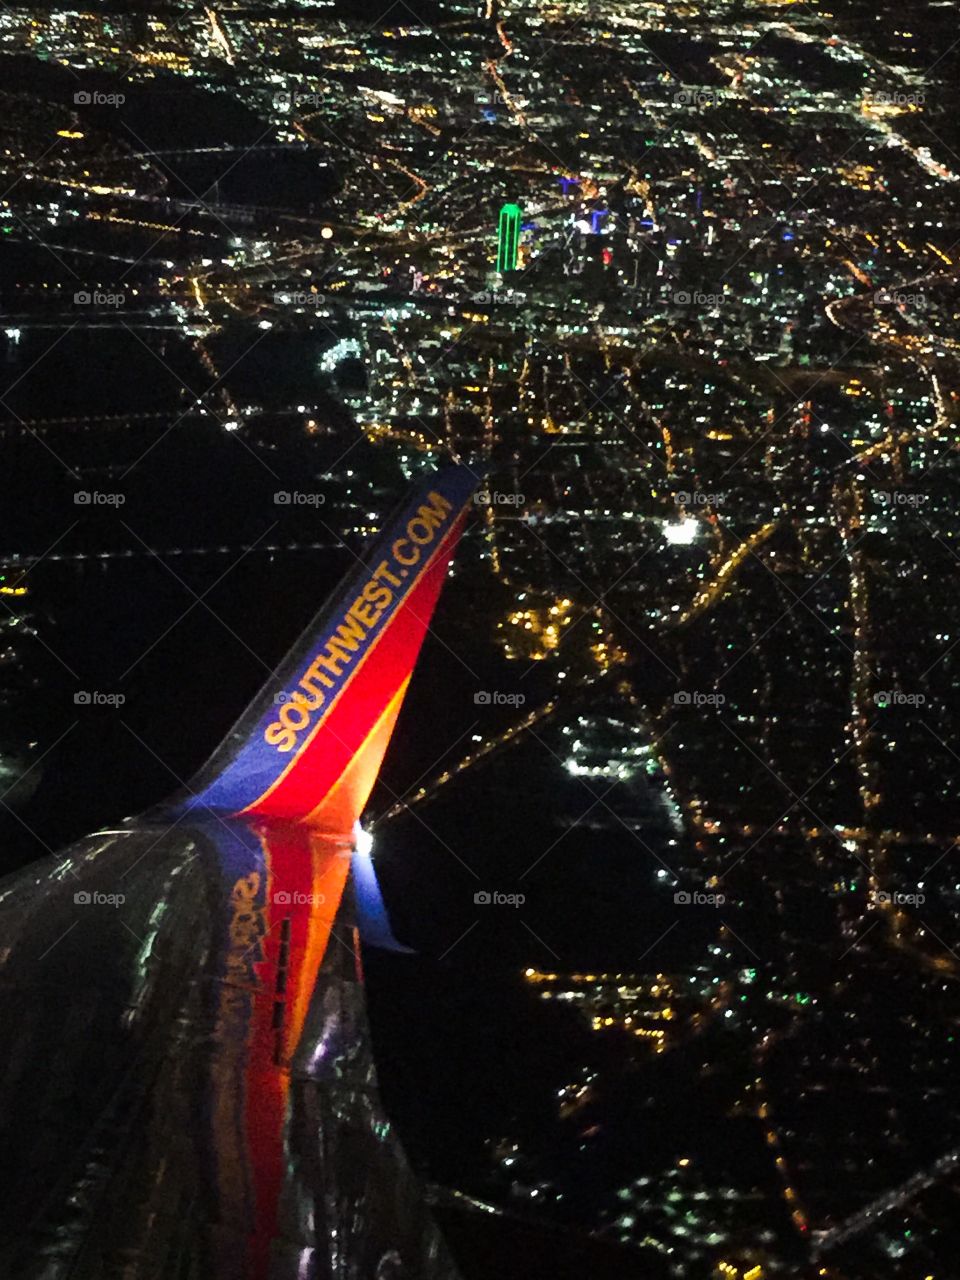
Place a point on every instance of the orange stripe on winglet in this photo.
(342, 805)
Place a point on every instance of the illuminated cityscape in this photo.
(670, 820)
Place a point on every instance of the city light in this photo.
(681, 533)
(671, 810)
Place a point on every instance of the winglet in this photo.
(309, 747)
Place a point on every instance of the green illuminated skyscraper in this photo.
(508, 244)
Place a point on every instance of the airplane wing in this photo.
(182, 995)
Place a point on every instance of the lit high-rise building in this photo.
(508, 243)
